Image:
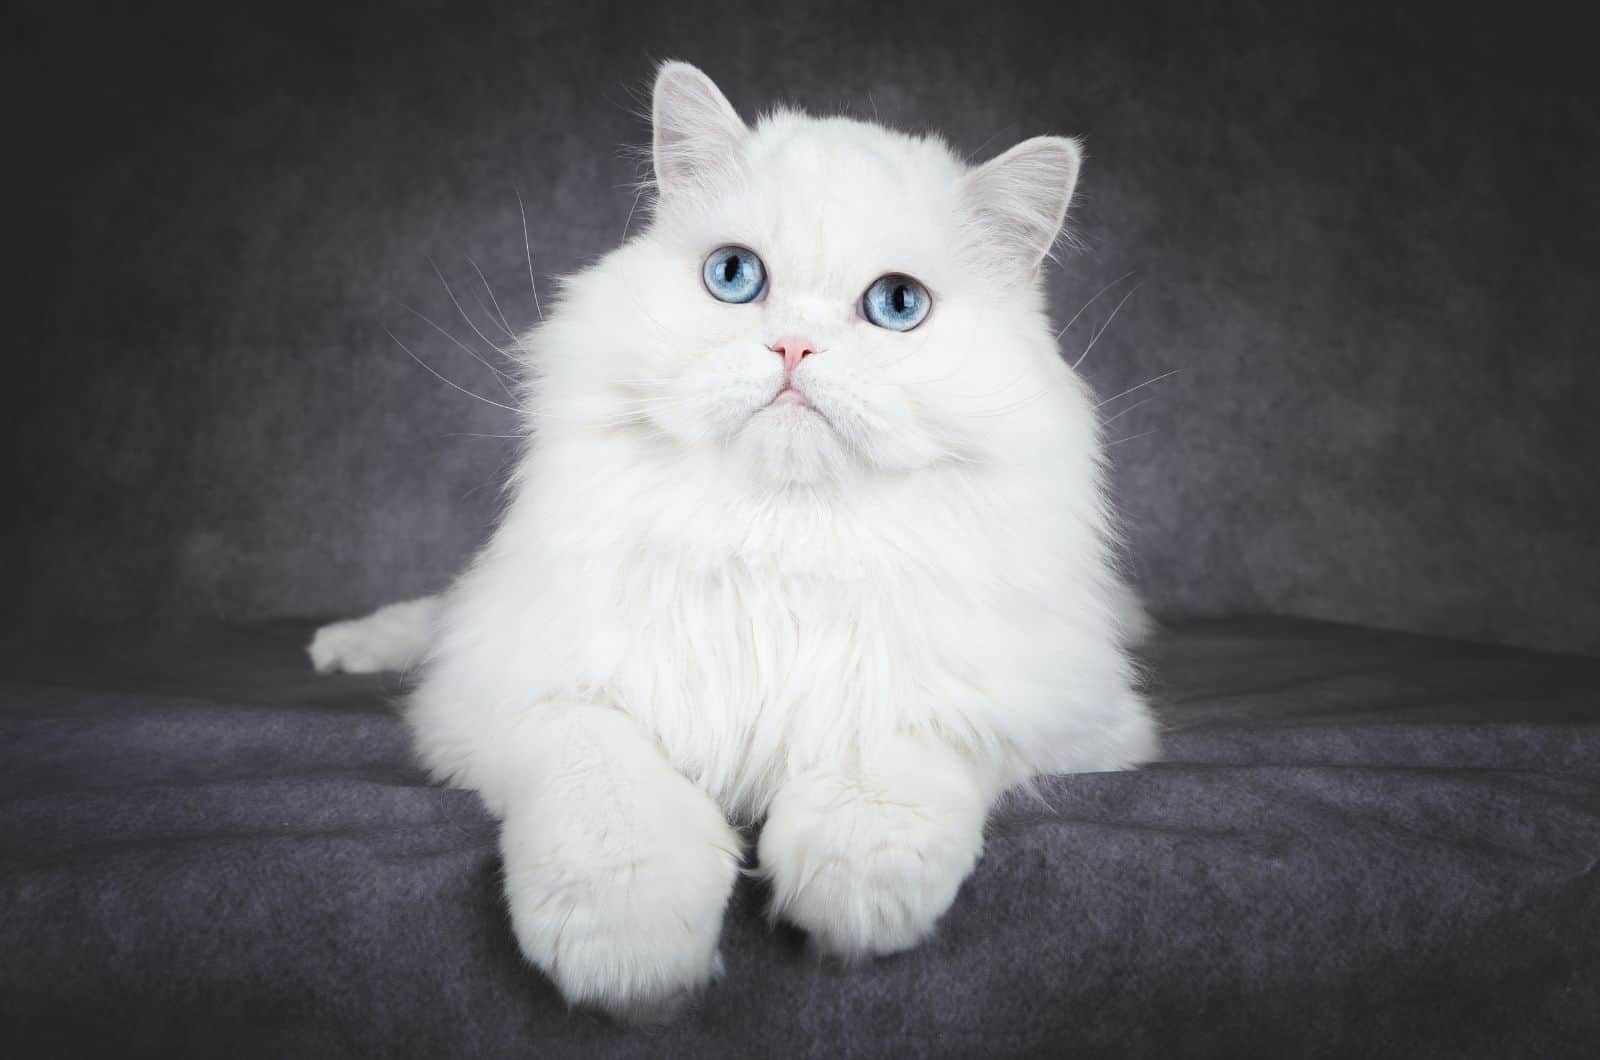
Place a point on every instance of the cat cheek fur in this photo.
(861, 623)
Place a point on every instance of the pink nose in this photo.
(791, 348)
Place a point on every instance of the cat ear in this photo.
(1018, 201)
(697, 131)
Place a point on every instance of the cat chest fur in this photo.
(747, 672)
(749, 663)
(756, 634)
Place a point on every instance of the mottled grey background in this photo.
(1365, 237)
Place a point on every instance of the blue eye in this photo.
(896, 302)
(734, 274)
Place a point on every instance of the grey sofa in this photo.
(1356, 844)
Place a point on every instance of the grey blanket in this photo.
(1357, 844)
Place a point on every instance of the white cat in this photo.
(811, 531)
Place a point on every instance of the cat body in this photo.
(780, 559)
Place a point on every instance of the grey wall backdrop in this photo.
(1364, 237)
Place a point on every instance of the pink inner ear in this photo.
(696, 128)
(1021, 197)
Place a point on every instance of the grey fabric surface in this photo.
(1358, 844)
(1365, 234)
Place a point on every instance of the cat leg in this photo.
(866, 859)
(617, 867)
(395, 637)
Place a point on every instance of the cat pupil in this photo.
(730, 268)
(900, 298)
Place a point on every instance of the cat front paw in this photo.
(629, 928)
(867, 868)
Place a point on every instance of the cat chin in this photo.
(791, 444)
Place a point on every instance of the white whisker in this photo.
(470, 323)
(505, 325)
(1096, 337)
(1114, 417)
(527, 249)
(1014, 406)
(637, 196)
(445, 379)
(1130, 438)
(1141, 386)
(1024, 374)
(1092, 300)
(664, 381)
(499, 376)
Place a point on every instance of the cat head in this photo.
(820, 297)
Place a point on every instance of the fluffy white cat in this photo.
(811, 531)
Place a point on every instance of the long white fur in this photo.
(860, 622)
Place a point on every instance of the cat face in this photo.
(821, 297)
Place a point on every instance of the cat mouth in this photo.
(790, 400)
